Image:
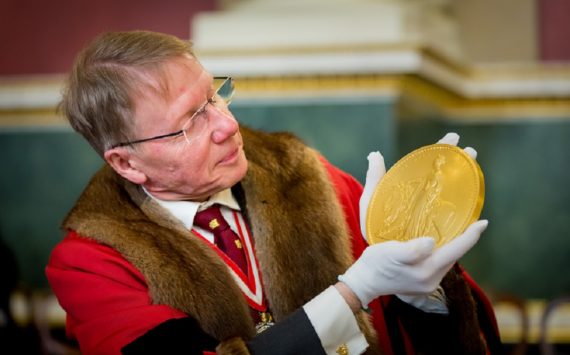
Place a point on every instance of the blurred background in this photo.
(348, 77)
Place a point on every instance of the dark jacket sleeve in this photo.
(293, 335)
(175, 336)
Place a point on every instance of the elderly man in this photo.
(198, 236)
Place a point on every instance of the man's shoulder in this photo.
(76, 247)
(76, 252)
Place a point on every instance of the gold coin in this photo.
(437, 191)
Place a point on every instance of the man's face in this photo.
(175, 168)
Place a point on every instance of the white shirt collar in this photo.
(186, 210)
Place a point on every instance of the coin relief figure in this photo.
(420, 216)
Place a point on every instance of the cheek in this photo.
(163, 162)
(193, 165)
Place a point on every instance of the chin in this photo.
(229, 175)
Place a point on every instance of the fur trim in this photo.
(463, 312)
(295, 222)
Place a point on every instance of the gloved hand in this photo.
(411, 269)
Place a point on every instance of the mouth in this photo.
(231, 157)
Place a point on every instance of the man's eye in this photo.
(200, 111)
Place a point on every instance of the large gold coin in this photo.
(437, 191)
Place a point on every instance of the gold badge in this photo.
(214, 224)
(342, 350)
(437, 191)
(238, 243)
(266, 321)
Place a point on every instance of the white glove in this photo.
(408, 256)
(453, 139)
(376, 170)
(412, 267)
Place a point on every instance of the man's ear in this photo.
(121, 160)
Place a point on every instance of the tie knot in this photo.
(211, 219)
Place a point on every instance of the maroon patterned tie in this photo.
(225, 238)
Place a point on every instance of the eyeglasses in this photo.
(195, 125)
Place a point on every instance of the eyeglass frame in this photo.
(198, 111)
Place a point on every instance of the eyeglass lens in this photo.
(225, 88)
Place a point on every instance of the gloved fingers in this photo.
(453, 139)
(375, 172)
(471, 152)
(409, 252)
(434, 302)
(448, 254)
(450, 138)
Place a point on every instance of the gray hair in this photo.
(98, 96)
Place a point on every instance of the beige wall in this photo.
(497, 30)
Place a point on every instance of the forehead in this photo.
(181, 78)
(167, 92)
(174, 76)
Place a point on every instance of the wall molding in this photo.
(442, 87)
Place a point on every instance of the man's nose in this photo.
(223, 123)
